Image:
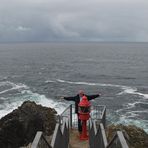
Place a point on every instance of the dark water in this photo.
(45, 71)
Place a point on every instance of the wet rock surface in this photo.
(19, 127)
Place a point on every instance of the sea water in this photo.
(43, 72)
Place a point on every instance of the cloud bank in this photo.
(73, 20)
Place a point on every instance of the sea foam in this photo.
(126, 89)
(25, 94)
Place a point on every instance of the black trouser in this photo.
(79, 124)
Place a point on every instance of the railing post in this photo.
(104, 139)
(36, 139)
(104, 118)
(71, 115)
(59, 118)
(122, 139)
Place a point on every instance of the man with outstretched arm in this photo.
(77, 99)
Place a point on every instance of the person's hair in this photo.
(81, 92)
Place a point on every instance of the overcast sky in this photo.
(73, 20)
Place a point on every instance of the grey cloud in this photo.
(73, 20)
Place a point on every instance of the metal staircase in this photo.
(66, 134)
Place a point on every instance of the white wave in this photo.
(124, 109)
(130, 114)
(140, 111)
(13, 86)
(145, 96)
(50, 81)
(134, 92)
(58, 106)
(139, 123)
(29, 95)
(126, 89)
(134, 113)
(9, 107)
(43, 100)
(129, 106)
(127, 119)
(88, 83)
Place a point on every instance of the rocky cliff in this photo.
(135, 137)
(19, 127)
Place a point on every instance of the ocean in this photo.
(43, 72)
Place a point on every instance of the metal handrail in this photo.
(103, 117)
(61, 135)
(97, 133)
(98, 112)
(98, 137)
(64, 115)
(102, 131)
(118, 136)
(40, 141)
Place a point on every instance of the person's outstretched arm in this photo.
(91, 97)
(69, 98)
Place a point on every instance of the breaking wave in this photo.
(128, 114)
(12, 86)
(129, 118)
(139, 123)
(11, 102)
(125, 89)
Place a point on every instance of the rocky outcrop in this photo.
(19, 127)
(135, 137)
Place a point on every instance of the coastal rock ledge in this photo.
(19, 127)
(135, 136)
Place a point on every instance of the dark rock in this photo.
(11, 134)
(19, 127)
